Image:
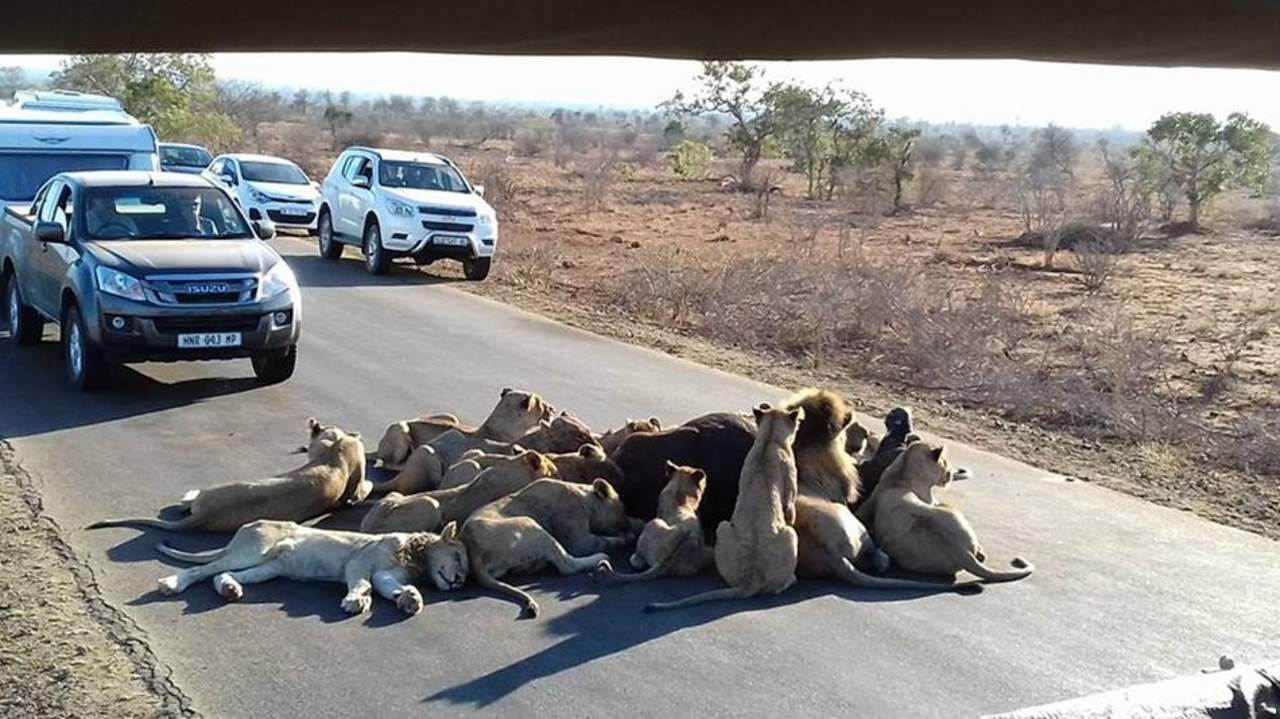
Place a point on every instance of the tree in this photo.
(734, 89)
(1202, 157)
(301, 102)
(174, 93)
(335, 117)
(12, 79)
(805, 119)
(899, 148)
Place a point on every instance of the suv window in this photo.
(216, 167)
(359, 166)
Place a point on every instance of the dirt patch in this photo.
(63, 651)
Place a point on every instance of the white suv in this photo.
(405, 204)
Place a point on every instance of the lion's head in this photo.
(565, 433)
(779, 424)
(612, 439)
(684, 488)
(329, 441)
(517, 412)
(604, 506)
(588, 463)
(921, 466)
(396, 444)
(440, 557)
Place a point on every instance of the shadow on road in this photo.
(614, 623)
(36, 398)
(314, 271)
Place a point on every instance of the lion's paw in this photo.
(357, 603)
(228, 587)
(168, 585)
(603, 567)
(410, 601)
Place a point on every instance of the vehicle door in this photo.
(53, 259)
(235, 185)
(360, 191)
(28, 251)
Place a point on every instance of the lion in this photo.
(756, 549)
(569, 526)
(583, 466)
(387, 563)
(396, 512)
(610, 440)
(925, 536)
(517, 412)
(860, 442)
(672, 544)
(504, 477)
(333, 477)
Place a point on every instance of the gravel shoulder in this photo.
(63, 651)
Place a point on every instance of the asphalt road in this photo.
(1125, 591)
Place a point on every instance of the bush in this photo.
(1098, 261)
(690, 160)
(500, 187)
(529, 142)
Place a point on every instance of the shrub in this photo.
(690, 160)
(500, 187)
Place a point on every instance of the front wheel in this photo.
(25, 325)
(86, 368)
(276, 368)
(476, 268)
(376, 259)
(330, 248)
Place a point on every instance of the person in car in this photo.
(102, 220)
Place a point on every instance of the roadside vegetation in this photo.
(1112, 291)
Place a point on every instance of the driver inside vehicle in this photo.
(200, 225)
(102, 219)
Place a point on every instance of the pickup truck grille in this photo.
(447, 226)
(446, 211)
(210, 290)
(207, 323)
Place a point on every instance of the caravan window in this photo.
(22, 173)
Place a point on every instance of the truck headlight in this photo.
(277, 280)
(257, 195)
(484, 220)
(119, 284)
(400, 209)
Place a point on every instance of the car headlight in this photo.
(258, 195)
(400, 209)
(119, 284)
(277, 280)
(484, 220)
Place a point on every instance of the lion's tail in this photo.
(711, 596)
(486, 580)
(656, 570)
(193, 557)
(977, 568)
(858, 578)
(177, 525)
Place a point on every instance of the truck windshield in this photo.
(273, 172)
(144, 213)
(184, 156)
(22, 173)
(418, 176)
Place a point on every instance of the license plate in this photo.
(449, 240)
(292, 211)
(209, 339)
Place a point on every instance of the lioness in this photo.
(610, 440)
(922, 535)
(517, 412)
(397, 513)
(333, 477)
(504, 477)
(548, 522)
(387, 563)
(756, 549)
(672, 543)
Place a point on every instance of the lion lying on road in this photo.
(396, 512)
(548, 522)
(922, 535)
(506, 476)
(516, 413)
(672, 544)
(333, 477)
(387, 563)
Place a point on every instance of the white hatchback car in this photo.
(391, 203)
(271, 188)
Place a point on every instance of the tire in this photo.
(86, 369)
(476, 268)
(376, 259)
(274, 369)
(24, 323)
(330, 248)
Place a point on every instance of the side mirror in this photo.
(479, 189)
(229, 179)
(50, 232)
(264, 229)
(315, 185)
(360, 181)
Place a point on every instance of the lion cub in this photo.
(672, 543)
(387, 563)
(548, 522)
(756, 549)
(920, 534)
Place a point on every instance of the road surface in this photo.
(1125, 591)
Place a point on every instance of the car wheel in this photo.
(330, 248)
(376, 260)
(25, 324)
(476, 268)
(86, 369)
(275, 368)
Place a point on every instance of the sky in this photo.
(989, 92)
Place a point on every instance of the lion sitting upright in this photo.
(388, 564)
(756, 549)
(672, 544)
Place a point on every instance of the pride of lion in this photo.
(796, 491)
